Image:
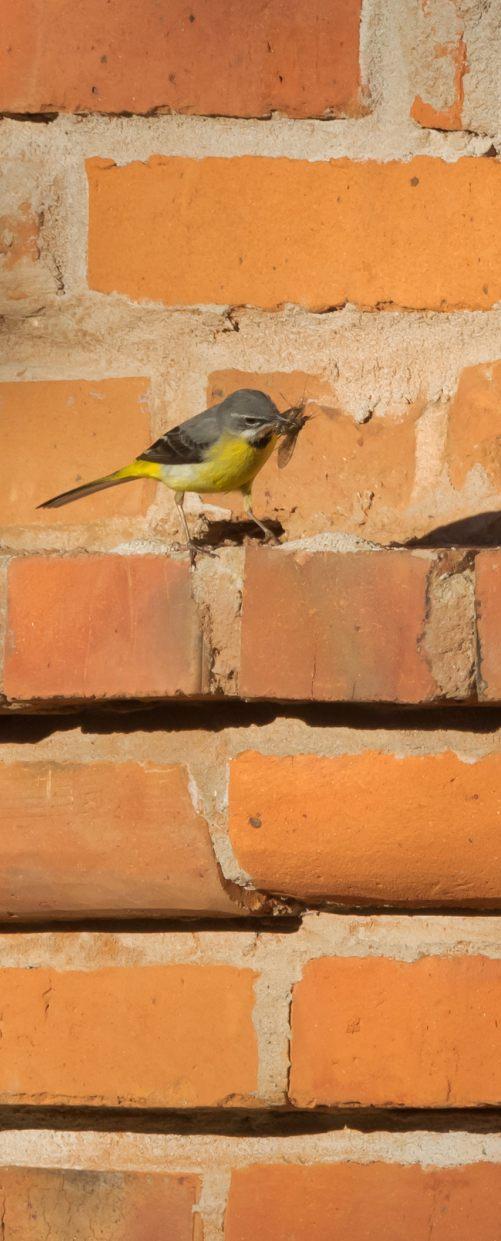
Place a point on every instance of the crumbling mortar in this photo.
(448, 638)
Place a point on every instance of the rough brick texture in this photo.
(377, 1033)
(161, 1036)
(81, 430)
(369, 827)
(344, 627)
(28, 270)
(442, 65)
(118, 1206)
(488, 599)
(207, 58)
(169, 230)
(94, 626)
(474, 426)
(104, 838)
(19, 253)
(334, 1201)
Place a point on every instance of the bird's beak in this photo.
(282, 423)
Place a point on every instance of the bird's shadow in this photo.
(223, 532)
(479, 530)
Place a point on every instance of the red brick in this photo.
(103, 838)
(369, 827)
(170, 230)
(441, 64)
(474, 425)
(151, 1036)
(328, 626)
(101, 626)
(120, 1206)
(365, 1202)
(81, 430)
(138, 55)
(372, 1032)
(488, 605)
(363, 474)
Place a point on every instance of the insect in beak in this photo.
(294, 419)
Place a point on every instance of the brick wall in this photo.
(250, 870)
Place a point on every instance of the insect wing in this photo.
(286, 449)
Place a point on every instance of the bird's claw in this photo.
(195, 549)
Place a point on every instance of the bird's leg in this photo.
(179, 498)
(191, 546)
(270, 536)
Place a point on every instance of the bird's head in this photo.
(252, 415)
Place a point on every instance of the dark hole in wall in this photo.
(236, 1122)
(126, 717)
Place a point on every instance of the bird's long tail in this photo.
(137, 469)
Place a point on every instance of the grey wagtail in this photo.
(221, 449)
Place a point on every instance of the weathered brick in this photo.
(440, 65)
(138, 55)
(82, 430)
(474, 426)
(328, 626)
(119, 1206)
(103, 838)
(27, 272)
(366, 1202)
(151, 1036)
(373, 1032)
(170, 230)
(18, 240)
(369, 827)
(363, 474)
(488, 606)
(101, 626)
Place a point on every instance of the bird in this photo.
(219, 450)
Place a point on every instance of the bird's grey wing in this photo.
(188, 443)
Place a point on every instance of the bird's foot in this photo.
(269, 536)
(194, 549)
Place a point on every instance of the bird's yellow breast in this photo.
(230, 464)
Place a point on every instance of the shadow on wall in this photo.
(481, 530)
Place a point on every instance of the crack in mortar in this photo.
(236, 882)
(217, 583)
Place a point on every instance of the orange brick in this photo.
(197, 231)
(474, 425)
(103, 838)
(138, 55)
(151, 1036)
(81, 430)
(101, 626)
(366, 1202)
(372, 1032)
(327, 626)
(345, 476)
(441, 65)
(488, 605)
(119, 1206)
(369, 827)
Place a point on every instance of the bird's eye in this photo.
(250, 421)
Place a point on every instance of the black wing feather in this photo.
(188, 443)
